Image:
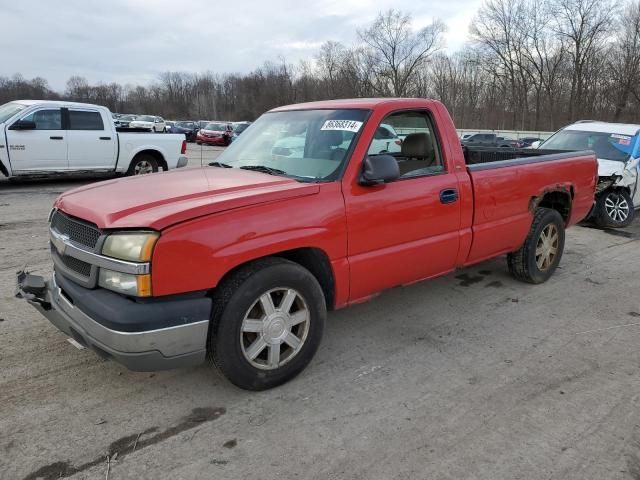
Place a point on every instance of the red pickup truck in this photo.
(304, 213)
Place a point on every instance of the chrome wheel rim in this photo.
(275, 328)
(143, 167)
(616, 207)
(547, 247)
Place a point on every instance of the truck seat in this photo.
(417, 153)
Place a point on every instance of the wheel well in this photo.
(314, 260)
(155, 154)
(559, 200)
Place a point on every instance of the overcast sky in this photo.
(131, 41)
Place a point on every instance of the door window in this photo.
(85, 120)
(46, 119)
(418, 152)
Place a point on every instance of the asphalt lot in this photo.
(470, 376)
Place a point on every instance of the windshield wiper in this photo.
(263, 169)
(219, 164)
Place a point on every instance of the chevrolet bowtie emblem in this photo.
(59, 241)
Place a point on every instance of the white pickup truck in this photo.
(39, 137)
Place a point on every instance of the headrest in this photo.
(417, 145)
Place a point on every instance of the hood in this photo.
(141, 122)
(158, 201)
(607, 168)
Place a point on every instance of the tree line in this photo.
(529, 65)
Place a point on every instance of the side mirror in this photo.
(23, 125)
(379, 169)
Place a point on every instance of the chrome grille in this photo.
(79, 232)
(74, 264)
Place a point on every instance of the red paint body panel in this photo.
(213, 220)
(194, 255)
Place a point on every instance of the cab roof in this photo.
(353, 103)
(605, 127)
(56, 103)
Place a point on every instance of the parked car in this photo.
(168, 125)
(242, 261)
(125, 120)
(385, 140)
(491, 140)
(39, 137)
(215, 134)
(618, 195)
(529, 141)
(187, 128)
(238, 128)
(150, 122)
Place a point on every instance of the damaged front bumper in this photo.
(132, 344)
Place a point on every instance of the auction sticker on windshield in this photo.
(622, 139)
(345, 125)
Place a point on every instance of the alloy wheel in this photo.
(275, 328)
(547, 247)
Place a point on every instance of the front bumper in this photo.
(182, 344)
(211, 140)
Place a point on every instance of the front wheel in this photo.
(267, 323)
(541, 252)
(614, 209)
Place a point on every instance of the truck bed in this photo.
(483, 155)
(507, 184)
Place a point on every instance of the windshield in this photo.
(128, 117)
(308, 145)
(8, 110)
(240, 127)
(599, 142)
(146, 118)
(216, 127)
(186, 124)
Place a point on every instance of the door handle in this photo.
(56, 138)
(105, 138)
(448, 195)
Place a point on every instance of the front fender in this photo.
(195, 255)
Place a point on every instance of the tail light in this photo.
(183, 150)
(398, 142)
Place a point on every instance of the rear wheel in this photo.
(143, 164)
(267, 323)
(614, 209)
(541, 252)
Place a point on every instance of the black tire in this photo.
(523, 263)
(236, 296)
(613, 209)
(141, 164)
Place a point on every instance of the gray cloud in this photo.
(133, 41)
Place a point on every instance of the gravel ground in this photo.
(470, 376)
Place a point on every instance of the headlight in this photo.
(125, 283)
(133, 246)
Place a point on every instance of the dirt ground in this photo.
(470, 376)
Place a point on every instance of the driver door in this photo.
(41, 149)
(406, 230)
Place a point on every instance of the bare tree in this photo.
(583, 25)
(624, 59)
(397, 52)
